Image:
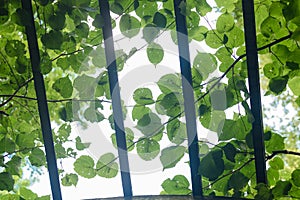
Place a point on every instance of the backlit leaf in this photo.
(170, 156)
(106, 167)
(147, 149)
(84, 166)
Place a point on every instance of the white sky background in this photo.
(143, 183)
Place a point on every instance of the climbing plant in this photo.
(71, 48)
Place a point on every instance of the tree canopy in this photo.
(73, 64)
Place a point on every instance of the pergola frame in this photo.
(185, 66)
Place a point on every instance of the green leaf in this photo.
(129, 139)
(25, 140)
(150, 32)
(147, 149)
(176, 131)
(271, 70)
(7, 145)
(278, 84)
(170, 156)
(276, 163)
(228, 5)
(198, 33)
(225, 23)
(82, 30)
(235, 37)
(159, 20)
(139, 111)
(81, 146)
(281, 188)
(6, 181)
(275, 143)
(213, 39)
(212, 165)
(60, 151)
(45, 64)
(69, 180)
(263, 192)
(294, 85)
(106, 167)
(116, 8)
(205, 63)
(230, 151)
(14, 48)
(27, 194)
(57, 21)
(37, 157)
(98, 21)
(171, 103)
(169, 83)
(203, 7)
(296, 177)
(179, 185)
(93, 115)
(84, 166)
(63, 86)
(150, 124)
(237, 181)
(52, 40)
(270, 26)
(85, 85)
(129, 26)
(143, 96)
(13, 166)
(155, 53)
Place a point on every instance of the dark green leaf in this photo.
(237, 181)
(37, 157)
(212, 165)
(150, 32)
(159, 20)
(53, 39)
(296, 177)
(6, 181)
(278, 84)
(281, 188)
(150, 124)
(63, 86)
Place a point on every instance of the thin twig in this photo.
(17, 90)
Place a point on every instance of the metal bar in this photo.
(116, 99)
(188, 94)
(42, 102)
(254, 87)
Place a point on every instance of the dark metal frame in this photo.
(185, 66)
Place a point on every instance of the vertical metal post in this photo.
(42, 102)
(116, 99)
(254, 87)
(188, 94)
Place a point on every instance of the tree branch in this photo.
(274, 153)
(14, 94)
(54, 100)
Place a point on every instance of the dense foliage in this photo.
(70, 39)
